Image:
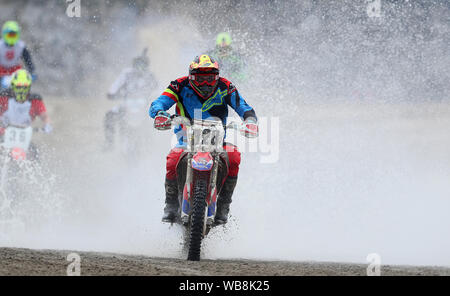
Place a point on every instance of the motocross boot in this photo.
(224, 200)
(171, 208)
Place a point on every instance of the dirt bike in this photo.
(128, 118)
(201, 173)
(131, 125)
(14, 152)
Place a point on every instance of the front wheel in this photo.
(197, 219)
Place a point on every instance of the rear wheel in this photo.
(197, 219)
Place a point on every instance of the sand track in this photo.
(28, 262)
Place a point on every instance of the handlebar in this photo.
(35, 129)
(15, 126)
(177, 119)
(233, 125)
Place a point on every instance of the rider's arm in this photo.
(45, 118)
(26, 56)
(163, 103)
(118, 84)
(249, 127)
(237, 67)
(38, 108)
(237, 102)
(3, 108)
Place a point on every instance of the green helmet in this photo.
(11, 32)
(223, 45)
(21, 85)
(223, 39)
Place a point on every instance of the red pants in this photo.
(234, 157)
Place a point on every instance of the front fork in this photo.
(211, 196)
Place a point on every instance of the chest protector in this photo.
(10, 56)
(17, 113)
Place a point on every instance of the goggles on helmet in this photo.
(202, 79)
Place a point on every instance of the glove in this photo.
(47, 128)
(33, 77)
(162, 121)
(249, 128)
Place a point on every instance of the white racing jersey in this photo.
(133, 84)
(18, 114)
(10, 56)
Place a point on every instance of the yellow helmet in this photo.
(21, 85)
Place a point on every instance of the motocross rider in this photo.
(20, 107)
(133, 83)
(230, 61)
(203, 90)
(12, 50)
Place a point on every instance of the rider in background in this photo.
(205, 92)
(20, 107)
(133, 83)
(12, 52)
(230, 61)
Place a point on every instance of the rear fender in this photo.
(18, 154)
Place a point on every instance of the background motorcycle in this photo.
(131, 128)
(16, 155)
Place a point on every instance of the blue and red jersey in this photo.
(190, 105)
